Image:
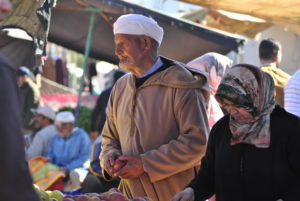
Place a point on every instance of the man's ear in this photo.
(276, 58)
(146, 43)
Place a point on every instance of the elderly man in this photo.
(156, 128)
(70, 149)
(16, 182)
(44, 119)
(270, 57)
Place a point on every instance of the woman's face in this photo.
(238, 113)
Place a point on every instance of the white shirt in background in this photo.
(292, 94)
(40, 142)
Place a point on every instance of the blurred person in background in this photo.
(44, 121)
(215, 65)
(70, 149)
(270, 55)
(30, 98)
(98, 116)
(94, 181)
(16, 182)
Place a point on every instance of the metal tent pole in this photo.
(94, 12)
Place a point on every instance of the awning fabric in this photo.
(183, 40)
(285, 13)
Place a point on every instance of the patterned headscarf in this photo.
(215, 65)
(249, 87)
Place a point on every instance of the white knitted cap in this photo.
(135, 24)
(64, 117)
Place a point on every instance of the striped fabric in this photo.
(44, 174)
(292, 94)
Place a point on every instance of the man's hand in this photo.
(132, 169)
(109, 162)
(185, 195)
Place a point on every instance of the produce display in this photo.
(49, 195)
(113, 194)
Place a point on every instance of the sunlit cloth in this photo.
(215, 65)
(292, 94)
(249, 87)
(95, 167)
(44, 174)
(280, 79)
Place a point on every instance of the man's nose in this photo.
(118, 50)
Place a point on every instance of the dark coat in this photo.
(98, 116)
(30, 97)
(245, 173)
(15, 179)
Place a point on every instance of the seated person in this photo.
(70, 149)
(98, 116)
(44, 119)
(94, 181)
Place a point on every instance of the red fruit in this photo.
(104, 196)
(68, 196)
(76, 197)
(94, 198)
(68, 199)
(91, 194)
(82, 198)
(118, 165)
(117, 197)
(142, 199)
(112, 190)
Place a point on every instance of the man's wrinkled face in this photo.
(64, 129)
(5, 7)
(128, 50)
(40, 121)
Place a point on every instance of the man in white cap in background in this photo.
(44, 119)
(156, 127)
(70, 149)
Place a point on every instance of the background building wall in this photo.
(290, 43)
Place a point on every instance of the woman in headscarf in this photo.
(253, 153)
(215, 65)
